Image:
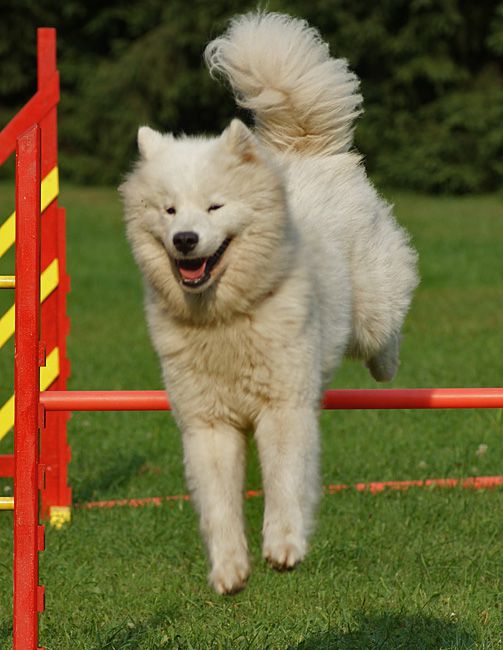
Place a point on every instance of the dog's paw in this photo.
(284, 555)
(229, 577)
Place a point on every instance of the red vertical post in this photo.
(28, 595)
(55, 452)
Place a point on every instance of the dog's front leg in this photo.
(215, 465)
(288, 444)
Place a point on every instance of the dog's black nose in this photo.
(185, 241)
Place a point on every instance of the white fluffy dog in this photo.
(267, 256)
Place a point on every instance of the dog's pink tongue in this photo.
(193, 274)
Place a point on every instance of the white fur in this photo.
(317, 268)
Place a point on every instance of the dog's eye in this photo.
(171, 210)
(214, 206)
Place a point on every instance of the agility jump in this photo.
(40, 409)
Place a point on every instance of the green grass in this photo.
(421, 569)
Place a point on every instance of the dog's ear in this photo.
(149, 141)
(240, 140)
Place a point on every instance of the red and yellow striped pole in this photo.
(41, 109)
(55, 452)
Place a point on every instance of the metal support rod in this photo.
(7, 281)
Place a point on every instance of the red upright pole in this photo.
(28, 535)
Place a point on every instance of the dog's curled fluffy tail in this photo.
(280, 69)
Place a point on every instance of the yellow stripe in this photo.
(7, 326)
(6, 503)
(48, 374)
(49, 190)
(7, 416)
(48, 282)
(7, 233)
(50, 371)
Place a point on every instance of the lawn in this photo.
(421, 569)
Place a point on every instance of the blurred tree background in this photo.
(430, 69)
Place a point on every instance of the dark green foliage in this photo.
(430, 69)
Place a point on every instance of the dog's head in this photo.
(207, 217)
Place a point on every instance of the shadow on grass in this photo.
(120, 637)
(115, 471)
(131, 635)
(394, 632)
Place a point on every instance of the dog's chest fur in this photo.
(232, 372)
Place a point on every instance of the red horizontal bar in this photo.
(414, 398)
(105, 400)
(376, 398)
(472, 483)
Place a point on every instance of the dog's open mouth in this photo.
(196, 272)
